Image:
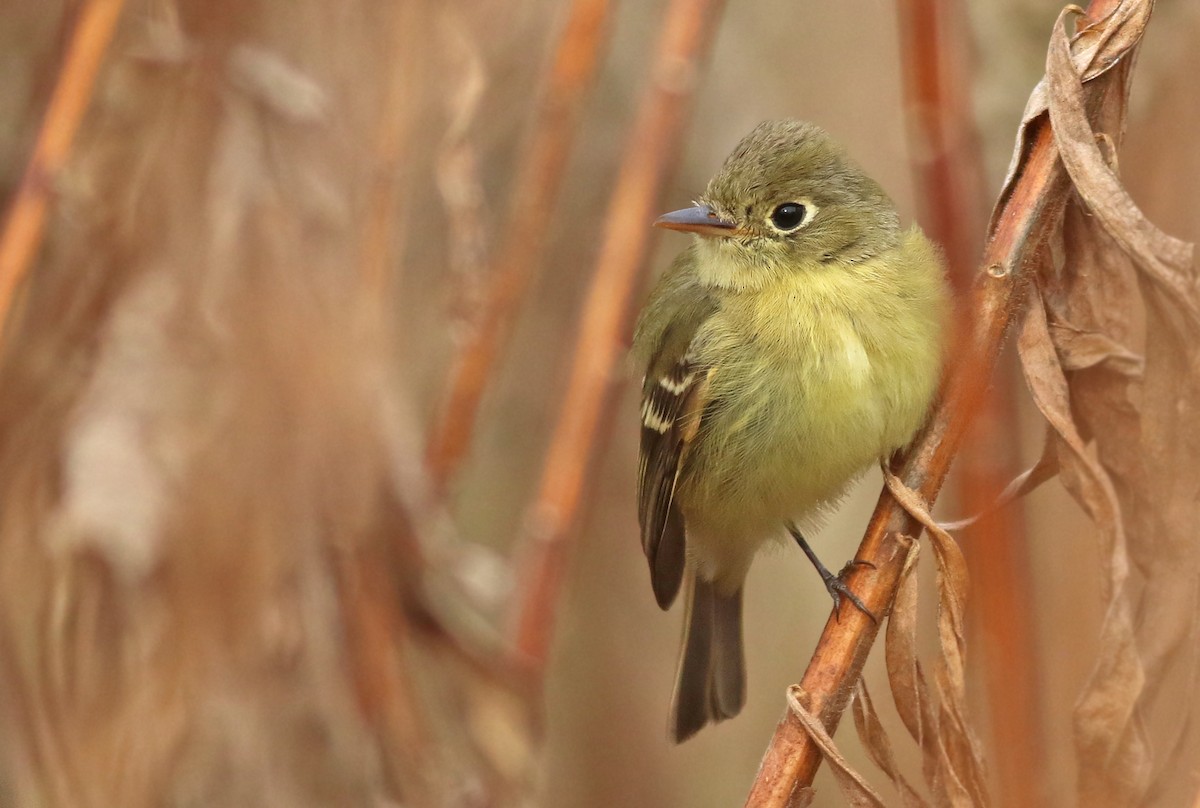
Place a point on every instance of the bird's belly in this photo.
(793, 460)
(796, 446)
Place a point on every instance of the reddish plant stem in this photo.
(948, 170)
(377, 641)
(376, 629)
(942, 140)
(651, 156)
(400, 102)
(26, 222)
(1027, 215)
(537, 188)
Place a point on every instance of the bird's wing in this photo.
(673, 399)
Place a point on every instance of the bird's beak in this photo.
(700, 219)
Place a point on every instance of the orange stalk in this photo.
(948, 172)
(520, 254)
(399, 108)
(650, 159)
(25, 225)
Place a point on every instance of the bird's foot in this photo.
(836, 586)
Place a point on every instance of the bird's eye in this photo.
(789, 216)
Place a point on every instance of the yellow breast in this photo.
(817, 375)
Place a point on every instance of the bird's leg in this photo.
(833, 583)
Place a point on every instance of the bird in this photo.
(796, 341)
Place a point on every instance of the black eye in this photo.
(788, 216)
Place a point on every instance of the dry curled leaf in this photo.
(1098, 50)
(958, 745)
(879, 747)
(1166, 260)
(1104, 719)
(1092, 386)
(1078, 350)
(1028, 481)
(854, 787)
(905, 675)
(914, 701)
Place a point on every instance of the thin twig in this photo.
(948, 171)
(650, 158)
(26, 222)
(536, 189)
(1027, 215)
(377, 583)
(383, 225)
(944, 145)
(377, 642)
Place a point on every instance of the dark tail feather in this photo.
(711, 684)
(729, 663)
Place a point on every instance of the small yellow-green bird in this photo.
(795, 342)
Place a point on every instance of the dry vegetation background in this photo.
(227, 576)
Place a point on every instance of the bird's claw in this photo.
(838, 589)
(834, 584)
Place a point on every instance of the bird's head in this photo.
(787, 199)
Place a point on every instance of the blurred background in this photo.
(458, 82)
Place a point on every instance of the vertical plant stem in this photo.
(377, 641)
(571, 76)
(651, 156)
(400, 106)
(25, 224)
(948, 172)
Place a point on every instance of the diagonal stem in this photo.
(25, 224)
(948, 171)
(577, 57)
(650, 159)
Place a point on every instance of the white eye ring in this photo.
(788, 217)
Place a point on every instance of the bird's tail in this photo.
(711, 683)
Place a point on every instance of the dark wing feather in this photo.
(672, 400)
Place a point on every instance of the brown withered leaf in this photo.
(1078, 349)
(1133, 421)
(1029, 480)
(1097, 50)
(1099, 293)
(879, 747)
(1105, 724)
(957, 739)
(910, 690)
(905, 675)
(1164, 259)
(1163, 537)
(854, 786)
(958, 736)
(1146, 441)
